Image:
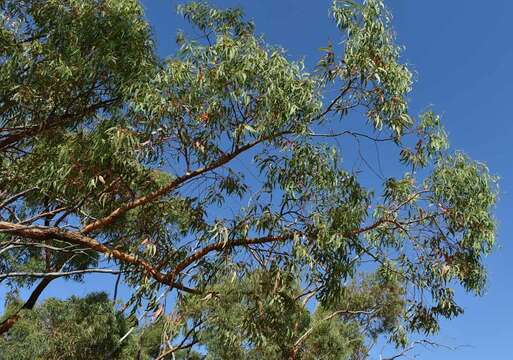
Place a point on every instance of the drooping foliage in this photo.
(216, 174)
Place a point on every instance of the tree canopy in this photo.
(75, 329)
(214, 177)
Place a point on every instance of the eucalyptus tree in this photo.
(79, 328)
(217, 174)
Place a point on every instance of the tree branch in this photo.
(143, 200)
(219, 246)
(297, 344)
(41, 233)
(59, 274)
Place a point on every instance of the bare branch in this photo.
(15, 197)
(59, 274)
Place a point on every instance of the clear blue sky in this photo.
(460, 52)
